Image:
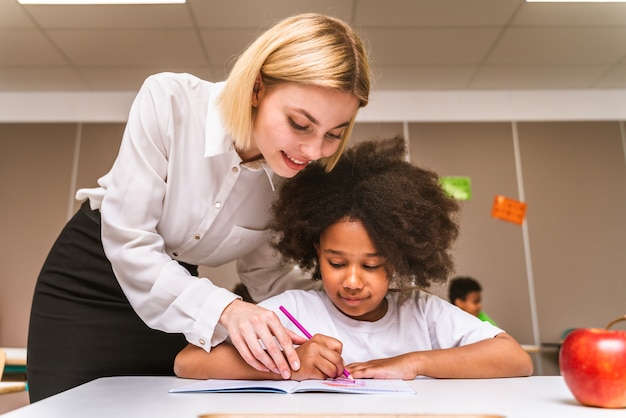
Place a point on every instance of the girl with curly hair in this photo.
(376, 231)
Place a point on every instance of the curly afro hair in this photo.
(408, 216)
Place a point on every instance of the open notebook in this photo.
(340, 385)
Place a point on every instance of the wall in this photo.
(563, 268)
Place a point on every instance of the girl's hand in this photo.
(500, 356)
(399, 367)
(321, 358)
(247, 323)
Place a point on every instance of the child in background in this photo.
(465, 292)
(376, 230)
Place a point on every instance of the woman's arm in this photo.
(320, 356)
(157, 170)
(500, 356)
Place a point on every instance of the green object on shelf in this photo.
(459, 188)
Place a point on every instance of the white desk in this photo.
(121, 397)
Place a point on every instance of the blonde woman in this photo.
(119, 293)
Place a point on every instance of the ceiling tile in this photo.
(44, 79)
(260, 14)
(434, 13)
(414, 44)
(615, 78)
(422, 78)
(553, 77)
(13, 16)
(131, 79)
(21, 47)
(400, 47)
(570, 14)
(111, 16)
(589, 46)
(224, 45)
(127, 47)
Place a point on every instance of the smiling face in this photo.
(353, 274)
(296, 124)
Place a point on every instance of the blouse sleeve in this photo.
(161, 291)
(264, 275)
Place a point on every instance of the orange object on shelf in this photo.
(508, 209)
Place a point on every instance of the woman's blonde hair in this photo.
(310, 49)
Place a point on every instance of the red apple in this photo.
(593, 365)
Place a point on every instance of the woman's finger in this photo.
(266, 349)
(283, 347)
(245, 353)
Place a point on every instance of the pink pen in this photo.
(307, 334)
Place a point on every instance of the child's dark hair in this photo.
(407, 215)
(461, 286)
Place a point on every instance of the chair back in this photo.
(3, 359)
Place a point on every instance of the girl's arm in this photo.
(320, 356)
(500, 356)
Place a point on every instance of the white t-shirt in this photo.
(178, 191)
(424, 322)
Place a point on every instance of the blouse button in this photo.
(196, 237)
(218, 204)
(235, 170)
(202, 342)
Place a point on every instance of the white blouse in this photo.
(178, 191)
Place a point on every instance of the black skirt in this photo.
(82, 326)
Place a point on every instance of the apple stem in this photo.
(615, 321)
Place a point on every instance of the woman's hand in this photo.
(321, 358)
(247, 323)
(399, 367)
